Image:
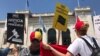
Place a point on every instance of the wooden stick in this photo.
(58, 36)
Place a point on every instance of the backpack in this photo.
(95, 50)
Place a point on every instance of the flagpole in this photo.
(58, 37)
(76, 16)
(26, 5)
(41, 23)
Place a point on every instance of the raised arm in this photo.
(54, 51)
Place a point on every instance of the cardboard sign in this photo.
(96, 20)
(15, 28)
(61, 17)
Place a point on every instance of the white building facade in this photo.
(32, 23)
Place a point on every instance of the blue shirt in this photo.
(4, 52)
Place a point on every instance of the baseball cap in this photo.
(35, 35)
(79, 25)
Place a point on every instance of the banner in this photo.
(15, 28)
(96, 20)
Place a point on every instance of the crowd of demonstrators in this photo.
(78, 46)
(34, 48)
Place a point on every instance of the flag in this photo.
(42, 24)
(76, 17)
(60, 48)
(27, 4)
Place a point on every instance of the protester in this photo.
(78, 46)
(5, 51)
(34, 48)
(14, 50)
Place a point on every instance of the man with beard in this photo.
(34, 48)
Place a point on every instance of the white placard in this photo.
(96, 20)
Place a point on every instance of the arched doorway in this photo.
(51, 36)
(66, 39)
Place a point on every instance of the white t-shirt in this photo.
(80, 47)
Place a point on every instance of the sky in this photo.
(44, 6)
